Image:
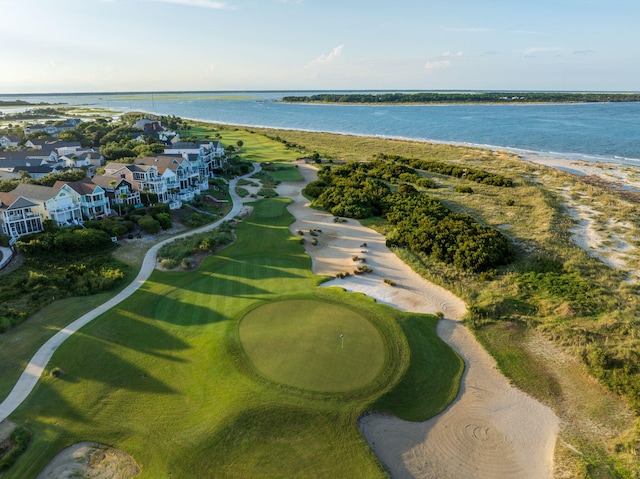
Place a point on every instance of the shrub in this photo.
(164, 219)
(19, 439)
(390, 282)
(149, 225)
(464, 189)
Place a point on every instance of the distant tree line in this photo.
(464, 97)
(419, 222)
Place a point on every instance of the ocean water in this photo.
(591, 131)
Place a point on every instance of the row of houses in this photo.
(45, 156)
(178, 175)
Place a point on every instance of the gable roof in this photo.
(83, 187)
(36, 192)
(11, 201)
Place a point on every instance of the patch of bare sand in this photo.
(90, 460)
(491, 430)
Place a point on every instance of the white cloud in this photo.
(449, 54)
(326, 59)
(529, 52)
(52, 63)
(198, 3)
(430, 66)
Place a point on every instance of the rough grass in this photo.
(162, 376)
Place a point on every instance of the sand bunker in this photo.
(90, 460)
(491, 430)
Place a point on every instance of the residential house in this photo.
(52, 129)
(182, 177)
(62, 205)
(7, 141)
(87, 160)
(94, 203)
(19, 215)
(144, 178)
(119, 191)
(209, 156)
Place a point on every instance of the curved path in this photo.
(39, 361)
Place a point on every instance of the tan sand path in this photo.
(492, 430)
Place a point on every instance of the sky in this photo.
(68, 46)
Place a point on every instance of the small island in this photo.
(464, 97)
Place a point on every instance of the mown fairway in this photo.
(164, 376)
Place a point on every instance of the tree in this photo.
(240, 143)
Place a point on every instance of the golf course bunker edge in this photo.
(312, 345)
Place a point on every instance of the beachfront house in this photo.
(145, 178)
(19, 215)
(181, 175)
(208, 156)
(62, 205)
(119, 191)
(94, 203)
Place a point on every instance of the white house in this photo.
(19, 215)
(62, 205)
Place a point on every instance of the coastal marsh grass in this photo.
(163, 376)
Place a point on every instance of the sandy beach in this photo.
(491, 430)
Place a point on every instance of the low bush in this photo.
(19, 439)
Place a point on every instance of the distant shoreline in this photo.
(448, 98)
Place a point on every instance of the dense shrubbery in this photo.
(420, 223)
(148, 224)
(175, 252)
(64, 242)
(110, 226)
(43, 279)
(452, 169)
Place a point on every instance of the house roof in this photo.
(12, 138)
(84, 187)
(36, 192)
(11, 201)
(104, 181)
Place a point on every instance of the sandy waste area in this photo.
(491, 430)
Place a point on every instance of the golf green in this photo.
(312, 345)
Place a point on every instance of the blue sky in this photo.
(154, 45)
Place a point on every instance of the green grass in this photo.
(256, 147)
(164, 377)
(301, 343)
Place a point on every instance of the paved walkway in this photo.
(6, 256)
(39, 361)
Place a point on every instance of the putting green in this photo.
(299, 343)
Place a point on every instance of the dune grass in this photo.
(163, 376)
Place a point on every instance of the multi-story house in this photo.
(183, 177)
(209, 156)
(62, 205)
(119, 191)
(94, 203)
(19, 215)
(144, 178)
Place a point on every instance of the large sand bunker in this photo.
(491, 430)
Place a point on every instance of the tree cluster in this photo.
(464, 97)
(420, 223)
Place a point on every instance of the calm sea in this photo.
(592, 131)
